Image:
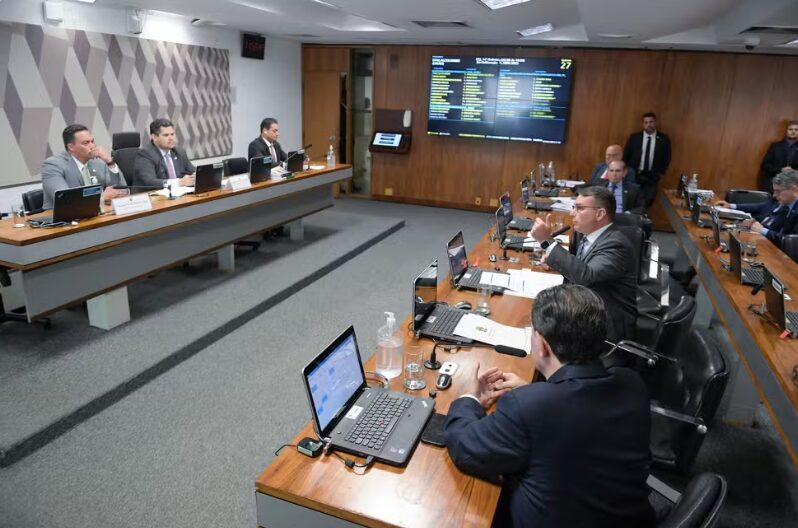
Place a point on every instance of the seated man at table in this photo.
(628, 195)
(613, 153)
(572, 450)
(161, 159)
(83, 163)
(603, 261)
(759, 210)
(266, 144)
(783, 220)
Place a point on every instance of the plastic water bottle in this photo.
(306, 163)
(550, 170)
(331, 157)
(692, 186)
(389, 348)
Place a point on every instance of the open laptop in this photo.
(356, 418)
(695, 213)
(208, 178)
(431, 319)
(774, 303)
(295, 161)
(462, 275)
(508, 241)
(747, 276)
(72, 204)
(719, 242)
(260, 169)
(532, 202)
(520, 224)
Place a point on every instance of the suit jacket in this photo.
(573, 450)
(258, 148)
(633, 200)
(61, 172)
(150, 168)
(608, 268)
(598, 172)
(783, 225)
(778, 156)
(758, 210)
(633, 151)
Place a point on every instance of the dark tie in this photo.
(776, 220)
(582, 249)
(646, 164)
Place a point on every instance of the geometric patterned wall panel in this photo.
(51, 77)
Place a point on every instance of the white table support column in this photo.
(110, 309)
(297, 230)
(227, 258)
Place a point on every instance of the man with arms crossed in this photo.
(649, 153)
(572, 450)
(83, 163)
(162, 159)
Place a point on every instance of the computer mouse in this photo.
(443, 381)
(492, 258)
(463, 305)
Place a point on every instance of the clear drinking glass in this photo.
(483, 300)
(18, 215)
(414, 368)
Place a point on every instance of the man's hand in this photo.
(187, 180)
(723, 203)
(542, 229)
(508, 381)
(755, 226)
(482, 386)
(110, 193)
(102, 154)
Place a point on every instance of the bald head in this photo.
(613, 153)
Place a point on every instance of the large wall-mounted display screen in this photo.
(511, 98)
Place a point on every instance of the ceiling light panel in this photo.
(498, 4)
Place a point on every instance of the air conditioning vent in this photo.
(772, 30)
(438, 24)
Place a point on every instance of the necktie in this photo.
(618, 199)
(582, 249)
(274, 154)
(84, 171)
(170, 166)
(776, 219)
(646, 164)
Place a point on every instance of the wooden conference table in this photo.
(768, 358)
(430, 492)
(96, 258)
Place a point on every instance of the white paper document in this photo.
(732, 212)
(502, 280)
(484, 330)
(177, 191)
(569, 184)
(528, 283)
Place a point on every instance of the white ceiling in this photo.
(656, 24)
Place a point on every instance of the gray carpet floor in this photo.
(185, 449)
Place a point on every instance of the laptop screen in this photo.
(501, 224)
(524, 192)
(774, 297)
(458, 260)
(735, 256)
(333, 380)
(260, 168)
(425, 294)
(507, 205)
(715, 227)
(695, 212)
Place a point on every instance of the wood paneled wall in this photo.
(721, 111)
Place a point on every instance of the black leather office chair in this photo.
(744, 196)
(789, 244)
(33, 201)
(698, 506)
(125, 147)
(233, 166)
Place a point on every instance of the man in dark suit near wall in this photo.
(649, 153)
(266, 144)
(162, 159)
(781, 156)
(603, 260)
(613, 153)
(572, 450)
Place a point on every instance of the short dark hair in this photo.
(573, 320)
(158, 124)
(267, 123)
(68, 135)
(650, 114)
(603, 198)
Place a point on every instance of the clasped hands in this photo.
(490, 385)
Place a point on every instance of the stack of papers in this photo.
(177, 191)
(528, 283)
(562, 204)
(484, 330)
(488, 278)
(569, 184)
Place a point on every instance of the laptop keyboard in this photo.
(445, 321)
(512, 240)
(523, 224)
(378, 421)
(474, 276)
(755, 276)
(792, 321)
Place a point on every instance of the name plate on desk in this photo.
(236, 183)
(135, 203)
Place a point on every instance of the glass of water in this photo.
(18, 215)
(483, 300)
(414, 368)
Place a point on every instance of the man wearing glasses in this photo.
(602, 259)
(783, 220)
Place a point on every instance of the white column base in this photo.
(227, 258)
(110, 309)
(297, 230)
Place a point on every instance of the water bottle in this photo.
(389, 349)
(693, 185)
(552, 174)
(306, 163)
(331, 157)
(542, 173)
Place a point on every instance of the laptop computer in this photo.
(72, 204)
(260, 169)
(682, 184)
(508, 241)
(695, 213)
(358, 419)
(747, 276)
(724, 246)
(208, 178)
(431, 319)
(774, 303)
(520, 224)
(295, 161)
(531, 202)
(462, 275)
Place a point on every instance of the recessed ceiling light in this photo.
(328, 4)
(616, 35)
(86, 1)
(536, 30)
(498, 4)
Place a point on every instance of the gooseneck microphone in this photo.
(560, 231)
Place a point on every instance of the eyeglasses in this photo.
(580, 208)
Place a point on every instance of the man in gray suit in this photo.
(162, 159)
(83, 163)
(603, 260)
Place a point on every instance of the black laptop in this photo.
(695, 213)
(519, 224)
(531, 202)
(260, 169)
(774, 303)
(358, 419)
(72, 204)
(462, 275)
(747, 276)
(295, 161)
(431, 319)
(719, 242)
(208, 178)
(509, 241)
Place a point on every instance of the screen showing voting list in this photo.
(335, 380)
(512, 98)
(387, 139)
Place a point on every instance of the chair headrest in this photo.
(122, 140)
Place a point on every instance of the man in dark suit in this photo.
(266, 144)
(603, 260)
(628, 195)
(161, 159)
(784, 219)
(649, 153)
(83, 163)
(613, 153)
(569, 451)
(781, 156)
(759, 211)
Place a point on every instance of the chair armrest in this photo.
(701, 427)
(663, 489)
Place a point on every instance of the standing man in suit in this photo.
(266, 144)
(784, 219)
(569, 451)
(781, 156)
(649, 153)
(628, 195)
(613, 153)
(604, 258)
(162, 159)
(83, 163)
